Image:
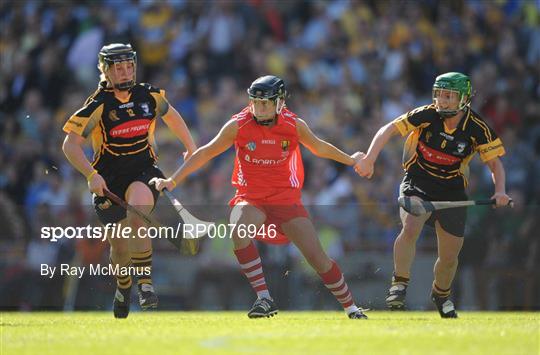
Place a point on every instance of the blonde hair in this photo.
(102, 66)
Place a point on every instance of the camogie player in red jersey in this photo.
(268, 176)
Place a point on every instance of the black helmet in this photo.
(118, 52)
(267, 87)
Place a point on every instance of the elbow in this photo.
(201, 153)
(324, 153)
(319, 152)
(69, 146)
(495, 165)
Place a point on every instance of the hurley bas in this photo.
(93, 270)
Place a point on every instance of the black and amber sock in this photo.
(400, 280)
(123, 276)
(440, 292)
(142, 261)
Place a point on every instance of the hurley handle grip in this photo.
(492, 202)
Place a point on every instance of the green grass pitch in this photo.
(303, 333)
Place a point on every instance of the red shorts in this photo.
(279, 206)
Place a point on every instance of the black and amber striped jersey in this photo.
(122, 133)
(433, 150)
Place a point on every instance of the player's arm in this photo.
(403, 125)
(77, 128)
(320, 147)
(499, 180)
(490, 149)
(220, 143)
(380, 139)
(178, 126)
(73, 150)
(173, 120)
(366, 165)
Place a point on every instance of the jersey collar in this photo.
(465, 119)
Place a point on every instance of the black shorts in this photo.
(109, 212)
(452, 220)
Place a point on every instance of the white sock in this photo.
(351, 309)
(264, 294)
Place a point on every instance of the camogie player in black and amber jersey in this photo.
(120, 118)
(442, 139)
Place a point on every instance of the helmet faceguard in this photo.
(116, 54)
(453, 82)
(268, 88)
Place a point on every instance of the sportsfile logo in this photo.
(182, 230)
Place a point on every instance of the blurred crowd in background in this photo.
(350, 67)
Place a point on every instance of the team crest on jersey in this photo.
(428, 136)
(146, 109)
(113, 116)
(251, 146)
(285, 145)
(461, 147)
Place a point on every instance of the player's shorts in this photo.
(279, 206)
(108, 211)
(452, 220)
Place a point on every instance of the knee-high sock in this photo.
(440, 291)
(123, 280)
(250, 262)
(335, 281)
(143, 266)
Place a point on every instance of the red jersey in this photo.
(267, 157)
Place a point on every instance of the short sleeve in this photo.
(488, 144)
(162, 105)
(408, 122)
(84, 120)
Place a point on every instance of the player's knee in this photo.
(409, 233)
(144, 201)
(134, 221)
(240, 232)
(120, 251)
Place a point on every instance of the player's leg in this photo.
(404, 253)
(141, 197)
(243, 215)
(301, 232)
(449, 246)
(119, 257)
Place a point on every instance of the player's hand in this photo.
(357, 156)
(501, 199)
(97, 184)
(365, 167)
(161, 184)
